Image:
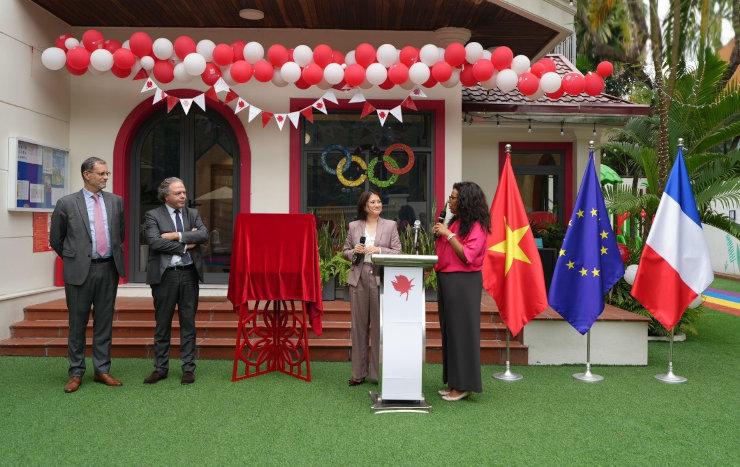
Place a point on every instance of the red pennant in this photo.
(367, 109)
(141, 75)
(171, 102)
(211, 93)
(408, 103)
(266, 116)
(230, 96)
(308, 113)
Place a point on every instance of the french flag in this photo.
(674, 267)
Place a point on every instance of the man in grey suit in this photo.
(87, 231)
(173, 232)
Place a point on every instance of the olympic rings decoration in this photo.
(351, 183)
(327, 150)
(393, 167)
(371, 172)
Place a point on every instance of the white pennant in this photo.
(186, 103)
(253, 112)
(359, 97)
(417, 92)
(280, 120)
(319, 105)
(396, 112)
(149, 85)
(382, 115)
(200, 101)
(158, 96)
(329, 96)
(221, 85)
(241, 104)
(294, 117)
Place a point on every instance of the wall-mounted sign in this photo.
(38, 175)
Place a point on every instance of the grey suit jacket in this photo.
(158, 221)
(386, 237)
(69, 234)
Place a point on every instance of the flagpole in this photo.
(588, 377)
(669, 377)
(508, 375)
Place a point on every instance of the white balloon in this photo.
(419, 73)
(278, 80)
(53, 58)
(253, 52)
(333, 73)
(520, 64)
(429, 55)
(506, 80)
(302, 55)
(349, 59)
(101, 60)
(71, 43)
(194, 63)
(486, 55)
(376, 73)
(387, 55)
(137, 66)
(180, 72)
(473, 51)
(550, 81)
(696, 302)
(491, 82)
(147, 62)
(454, 79)
(125, 45)
(630, 273)
(290, 72)
(205, 48)
(162, 48)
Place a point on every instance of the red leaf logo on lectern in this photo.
(403, 285)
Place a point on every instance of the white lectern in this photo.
(402, 333)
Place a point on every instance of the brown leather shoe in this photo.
(107, 379)
(188, 378)
(155, 377)
(73, 384)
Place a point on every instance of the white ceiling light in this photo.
(251, 14)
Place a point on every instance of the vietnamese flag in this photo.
(512, 270)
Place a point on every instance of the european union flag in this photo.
(589, 263)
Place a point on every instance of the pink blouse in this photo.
(474, 247)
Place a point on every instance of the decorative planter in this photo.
(341, 292)
(328, 291)
(430, 295)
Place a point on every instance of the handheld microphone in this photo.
(443, 214)
(417, 225)
(357, 258)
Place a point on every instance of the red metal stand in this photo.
(273, 338)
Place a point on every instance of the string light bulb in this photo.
(498, 123)
(562, 132)
(594, 132)
(529, 130)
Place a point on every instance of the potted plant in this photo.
(340, 268)
(426, 241)
(326, 267)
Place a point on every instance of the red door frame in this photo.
(436, 106)
(567, 149)
(139, 115)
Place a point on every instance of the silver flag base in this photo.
(508, 375)
(670, 378)
(588, 377)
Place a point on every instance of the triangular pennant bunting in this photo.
(158, 96)
(211, 93)
(367, 109)
(221, 85)
(416, 92)
(396, 112)
(408, 103)
(329, 96)
(382, 115)
(308, 113)
(230, 96)
(359, 97)
(253, 112)
(149, 85)
(266, 116)
(280, 119)
(241, 104)
(294, 117)
(171, 102)
(319, 105)
(141, 74)
(200, 101)
(186, 103)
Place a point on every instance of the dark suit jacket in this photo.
(386, 237)
(158, 221)
(69, 234)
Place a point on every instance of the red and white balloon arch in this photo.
(324, 67)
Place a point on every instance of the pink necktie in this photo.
(101, 243)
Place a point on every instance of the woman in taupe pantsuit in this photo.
(368, 235)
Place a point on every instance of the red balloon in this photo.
(502, 57)
(388, 84)
(78, 58)
(263, 71)
(92, 39)
(312, 74)
(241, 71)
(302, 84)
(238, 49)
(164, 71)
(277, 54)
(60, 41)
(354, 75)
(557, 94)
(466, 76)
(365, 54)
(120, 72)
(409, 55)
(123, 59)
(111, 45)
(223, 54)
(140, 44)
(398, 73)
(605, 69)
(528, 83)
(483, 70)
(549, 64)
(441, 71)
(455, 54)
(594, 84)
(76, 71)
(184, 45)
(574, 83)
(322, 55)
(210, 76)
(537, 69)
(430, 83)
(337, 57)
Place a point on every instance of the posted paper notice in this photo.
(21, 190)
(37, 192)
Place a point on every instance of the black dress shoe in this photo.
(156, 376)
(188, 378)
(355, 382)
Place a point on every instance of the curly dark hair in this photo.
(472, 207)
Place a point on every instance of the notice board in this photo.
(38, 175)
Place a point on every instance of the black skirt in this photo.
(459, 296)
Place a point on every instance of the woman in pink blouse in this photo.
(460, 249)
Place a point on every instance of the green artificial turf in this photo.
(548, 418)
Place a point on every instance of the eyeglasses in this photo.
(100, 174)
